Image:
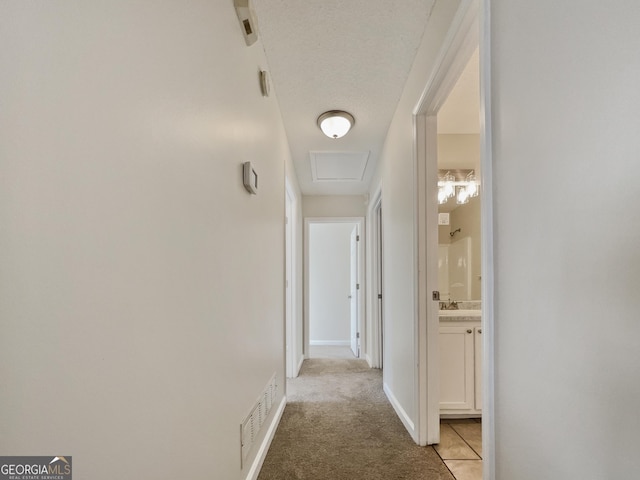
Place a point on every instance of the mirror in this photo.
(459, 266)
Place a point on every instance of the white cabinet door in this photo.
(478, 366)
(457, 368)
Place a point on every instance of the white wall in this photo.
(459, 151)
(396, 174)
(329, 282)
(565, 122)
(334, 206)
(141, 287)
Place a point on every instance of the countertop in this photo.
(459, 315)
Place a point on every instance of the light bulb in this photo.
(472, 184)
(463, 196)
(449, 186)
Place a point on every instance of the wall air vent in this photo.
(252, 424)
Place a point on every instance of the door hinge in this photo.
(379, 296)
(358, 335)
(286, 220)
(357, 238)
(357, 286)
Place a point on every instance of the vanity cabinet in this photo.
(460, 368)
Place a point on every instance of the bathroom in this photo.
(459, 278)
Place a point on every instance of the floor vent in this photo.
(251, 425)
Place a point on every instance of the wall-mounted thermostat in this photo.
(249, 178)
(443, 219)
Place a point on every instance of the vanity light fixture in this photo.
(335, 123)
(461, 184)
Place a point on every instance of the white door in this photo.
(353, 294)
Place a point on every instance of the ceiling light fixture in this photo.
(335, 123)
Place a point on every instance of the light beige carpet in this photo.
(338, 425)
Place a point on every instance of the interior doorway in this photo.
(462, 41)
(334, 282)
(459, 246)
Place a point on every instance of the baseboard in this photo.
(402, 414)
(254, 471)
(367, 357)
(330, 343)
(297, 372)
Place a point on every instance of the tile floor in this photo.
(460, 447)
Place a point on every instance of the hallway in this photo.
(339, 425)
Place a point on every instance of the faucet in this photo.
(452, 305)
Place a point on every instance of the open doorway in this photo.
(334, 285)
(461, 43)
(459, 275)
(459, 247)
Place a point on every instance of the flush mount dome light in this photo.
(335, 123)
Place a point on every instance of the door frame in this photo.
(293, 358)
(360, 221)
(354, 289)
(375, 319)
(468, 30)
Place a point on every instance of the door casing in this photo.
(469, 29)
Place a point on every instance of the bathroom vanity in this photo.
(460, 363)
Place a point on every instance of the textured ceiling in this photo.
(352, 55)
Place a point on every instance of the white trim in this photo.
(367, 357)
(330, 343)
(254, 471)
(404, 417)
(292, 336)
(421, 324)
(457, 48)
(486, 167)
(373, 328)
(360, 221)
(299, 366)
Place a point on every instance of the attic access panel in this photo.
(338, 166)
